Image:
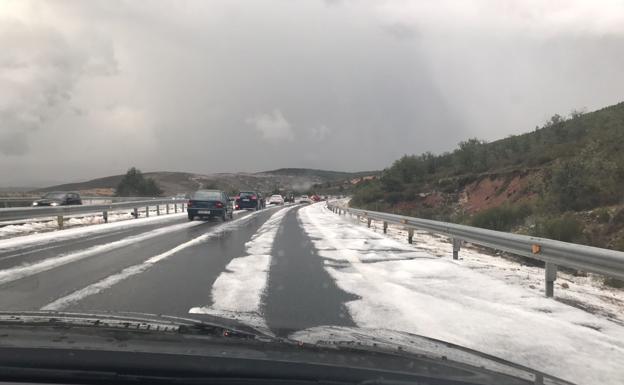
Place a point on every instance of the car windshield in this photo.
(55, 195)
(207, 195)
(343, 174)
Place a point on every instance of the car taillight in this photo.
(189, 203)
(219, 205)
(253, 197)
(237, 207)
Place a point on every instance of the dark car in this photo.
(289, 197)
(59, 198)
(209, 204)
(249, 200)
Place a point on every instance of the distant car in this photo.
(290, 198)
(276, 200)
(304, 199)
(316, 198)
(59, 198)
(209, 204)
(249, 200)
(178, 197)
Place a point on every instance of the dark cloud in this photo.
(91, 88)
(39, 69)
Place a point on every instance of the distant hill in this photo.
(563, 180)
(320, 174)
(172, 183)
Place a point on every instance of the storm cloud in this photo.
(88, 89)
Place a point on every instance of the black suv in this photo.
(249, 200)
(58, 198)
(209, 204)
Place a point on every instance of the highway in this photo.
(292, 268)
(299, 292)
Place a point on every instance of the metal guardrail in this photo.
(553, 253)
(21, 213)
(11, 201)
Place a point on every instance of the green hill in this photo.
(567, 174)
(299, 179)
(320, 174)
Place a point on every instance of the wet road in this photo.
(171, 266)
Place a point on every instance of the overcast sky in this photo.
(90, 88)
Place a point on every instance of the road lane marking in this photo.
(239, 289)
(56, 246)
(110, 281)
(21, 242)
(14, 273)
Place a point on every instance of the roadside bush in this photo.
(618, 218)
(565, 228)
(603, 215)
(614, 282)
(134, 183)
(502, 218)
(393, 197)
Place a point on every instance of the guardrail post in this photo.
(369, 222)
(135, 213)
(410, 235)
(385, 227)
(105, 216)
(551, 276)
(456, 246)
(147, 211)
(182, 206)
(59, 220)
(167, 209)
(157, 209)
(175, 207)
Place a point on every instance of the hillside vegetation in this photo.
(564, 180)
(171, 183)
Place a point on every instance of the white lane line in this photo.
(81, 232)
(56, 246)
(78, 295)
(14, 273)
(239, 289)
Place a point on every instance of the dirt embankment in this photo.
(498, 189)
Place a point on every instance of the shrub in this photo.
(502, 218)
(614, 282)
(135, 184)
(603, 215)
(565, 228)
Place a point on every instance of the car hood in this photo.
(102, 331)
(390, 341)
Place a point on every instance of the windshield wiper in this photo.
(134, 322)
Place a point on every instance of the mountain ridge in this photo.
(175, 182)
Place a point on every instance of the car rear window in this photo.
(54, 195)
(246, 194)
(207, 195)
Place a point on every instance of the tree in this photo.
(135, 184)
(587, 181)
(471, 156)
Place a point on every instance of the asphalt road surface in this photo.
(111, 271)
(293, 268)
